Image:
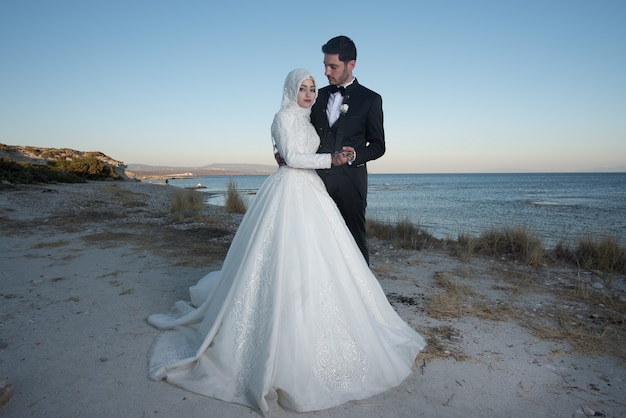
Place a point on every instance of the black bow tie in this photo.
(334, 89)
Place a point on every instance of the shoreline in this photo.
(84, 264)
(558, 208)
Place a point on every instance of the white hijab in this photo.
(290, 91)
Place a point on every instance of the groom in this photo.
(347, 114)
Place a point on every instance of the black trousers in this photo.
(351, 204)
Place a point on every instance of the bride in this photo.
(294, 316)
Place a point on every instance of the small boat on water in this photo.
(197, 186)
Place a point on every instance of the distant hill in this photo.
(41, 156)
(144, 171)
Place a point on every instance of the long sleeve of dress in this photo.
(297, 142)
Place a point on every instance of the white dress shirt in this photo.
(335, 101)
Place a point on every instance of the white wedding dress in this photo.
(295, 315)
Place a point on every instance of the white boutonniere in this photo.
(344, 108)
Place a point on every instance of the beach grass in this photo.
(187, 200)
(402, 234)
(517, 242)
(464, 246)
(603, 253)
(235, 203)
(186, 204)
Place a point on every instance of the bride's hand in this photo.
(339, 158)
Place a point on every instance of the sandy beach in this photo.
(83, 265)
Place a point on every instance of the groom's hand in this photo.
(279, 160)
(350, 153)
(339, 158)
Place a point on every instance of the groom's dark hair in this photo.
(341, 45)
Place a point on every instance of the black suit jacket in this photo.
(360, 127)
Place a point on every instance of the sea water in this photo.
(555, 206)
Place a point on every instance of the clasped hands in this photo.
(344, 156)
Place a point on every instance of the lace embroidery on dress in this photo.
(252, 311)
(340, 363)
(277, 177)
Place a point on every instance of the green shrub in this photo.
(28, 173)
(89, 167)
(77, 170)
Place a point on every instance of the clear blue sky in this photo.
(467, 85)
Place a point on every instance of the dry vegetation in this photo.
(189, 203)
(186, 204)
(403, 234)
(235, 202)
(183, 231)
(511, 243)
(604, 254)
(591, 319)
